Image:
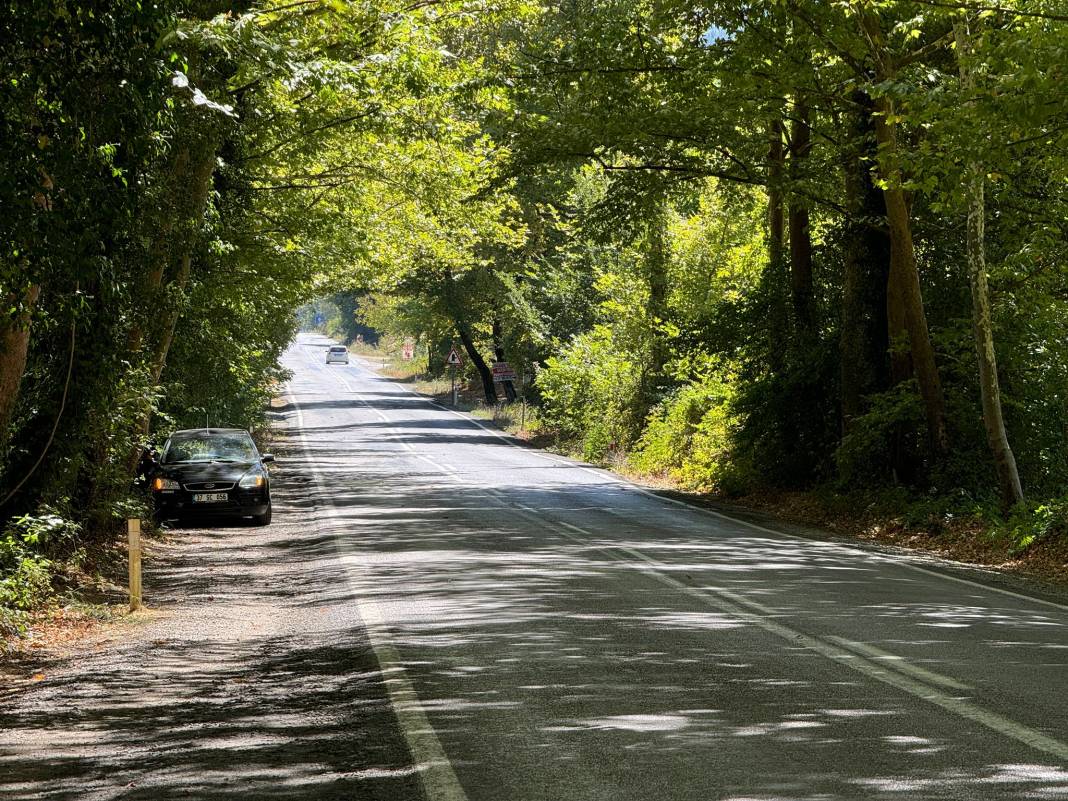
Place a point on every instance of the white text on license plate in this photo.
(209, 497)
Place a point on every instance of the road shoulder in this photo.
(252, 677)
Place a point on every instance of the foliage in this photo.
(25, 567)
(590, 394)
(1029, 524)
(590, 191)
(690, 438)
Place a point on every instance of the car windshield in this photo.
(337, 350)
(210, 447)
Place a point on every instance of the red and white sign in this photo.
(408, 352)
(454, 358)
(502, 372)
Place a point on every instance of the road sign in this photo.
(454, 358)
(409, 350)
(502, 372)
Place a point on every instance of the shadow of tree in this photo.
(550, 661)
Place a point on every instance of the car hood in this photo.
(220, 472)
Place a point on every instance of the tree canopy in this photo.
(787, 243)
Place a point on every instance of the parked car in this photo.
(337, 354)
(212, 472)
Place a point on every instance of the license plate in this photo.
(209, 497)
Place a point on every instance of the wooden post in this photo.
(133, 529)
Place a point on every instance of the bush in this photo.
(592, 394)
(866, 456)
(688, 437)
(1030, 523)
(27, 549)
(790, 419)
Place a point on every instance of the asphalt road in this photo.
(551, 632)
(438, 613)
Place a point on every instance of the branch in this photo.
(311, 131)
(923, 52)
(817, 30)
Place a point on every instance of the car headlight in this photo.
(252, 479)
(160, 484)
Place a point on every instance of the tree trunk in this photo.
(777, 323)
(199, 189)
(152, 281)
(801, 291)
(905, 297)
(476, 359)
(194, 182)
(982, 327)
(864, 343)
(14, 347)
(656, 308)
(907, 303)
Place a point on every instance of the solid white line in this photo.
(895, 662)
(608, 477)
(434, 769)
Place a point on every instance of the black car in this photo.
(212, 472)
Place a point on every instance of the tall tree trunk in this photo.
(656, 308)
(905, 297)
(982, 327)
(455, 308)
(14, 347)
(193, 182)
(476, 359)
(199, 189)
(159, 253)
(864, 343)
(777, 323)
(906, 301)
(801, 290)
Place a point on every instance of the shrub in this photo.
(688, 437)
(866, 455)
(27, 549)
(591, 394)
(1029, 523)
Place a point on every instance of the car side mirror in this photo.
(267, 458)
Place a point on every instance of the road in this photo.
(521, 626)
(567, 636)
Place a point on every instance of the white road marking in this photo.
(608, 477)
(895, 662)
(898, 673)
(434, 769)
(865, 659)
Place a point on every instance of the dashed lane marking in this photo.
(865, 659)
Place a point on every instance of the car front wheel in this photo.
(265, 518)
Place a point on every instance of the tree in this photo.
(993, 419)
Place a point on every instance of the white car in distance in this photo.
(337, 354)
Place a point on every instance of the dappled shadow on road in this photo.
(262, 686)
(553, 663)
(567, 638)
(295, 723)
